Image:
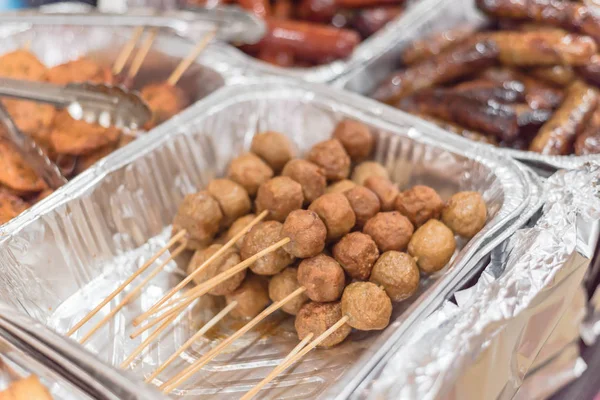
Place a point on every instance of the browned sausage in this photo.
(558, 75)
(370, 20)
(590, 71)
(589, 140)
(282, 9)
(464, 59)
(508, 91)
(324, 10)
(460, 130)
(260, 8)
(431, 46)
(557, 135)
(279, 58)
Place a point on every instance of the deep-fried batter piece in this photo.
(21, 64)
(78, 137)
(15, 173)
(164, 100)
(10, 206)
(80, 70)
(32, 118)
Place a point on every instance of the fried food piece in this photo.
(432, 245)
(32, 118)
(22, 64)
(69, 136)
(200, 215)
(556, 136)
(164, 100)
(340, 186)
(322, 277)
(15, 173)
(419, 204)
(29, 388)
(337, 214)
(274, 148)
(249, 171)
(252, 297)
(465, 214)
(364, 203)
(356, 252)
(390, 230)
(280, 196)
(237, 226)
(397, 273)
(385, 190)
(282, 285)
(356, 138)
(420, 50)
(224, 262)
(232, 198)
(367, 169)
(309, 175)
(316, 318)
(10, 206)
(557, 75)
(589, 140)
(307, 233)
(332, 157)
(80, 70)
(259, 238)
(86, 161)
(367, 305)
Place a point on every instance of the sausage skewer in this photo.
(126, 51)
(186, 62)
(139, 58)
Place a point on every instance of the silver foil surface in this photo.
(63, 256)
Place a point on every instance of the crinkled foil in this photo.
(485, 347)
(61, 258)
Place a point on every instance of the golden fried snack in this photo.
(32, 118)
(260, 237)
(252, 297)
(364, 203)
(323, 278)
(280, 196)
(10, 206)
(74, 137)
(15, 173)
(200, 215)
(227, 260)
(356, 137)
(21, 64)
(316, 318)
(390, 230)
(432, 246)
(249, 171)
(232, 198)
(80, 70)
(274, 148)
(356, 252)
(164, 100)
(589, 140)
(332, 157)
(335, 211)
(309, 175)
(433, 45)
(282, 285)
(419, 204)
(29, 388)
(367, 306)
(465, 214)
(397, 273)
(307, 233)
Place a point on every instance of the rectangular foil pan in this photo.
(427, 18)
(63, 256)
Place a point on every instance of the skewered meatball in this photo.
(237, 226)
(252, 297)
(331, 156)
(232, 198)
(340, 187)
(282, 285)
(273, 147)
(310, 176)
(200, 215)
(385, 189)
(307, 233)
(356, 253)
(335, 210)
(364, 203)
(367, 305)
(390, 230)
(322, 277)
(259, 238)
(280, 195)
(465, 214)
(316, 318)
(356, 139)
(367, 169)
(249, 171)
(433, 245)
(228, 259)
(398, 274)
(164, 100)
(419, 204)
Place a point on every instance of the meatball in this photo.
(237, 226)
(335, 210)
(331, 156)
(273, 147)
(356, 138)
(200, 215)
(367, 169)
(259, 238)
(249, 171)
(356, 252)
(340, 187)
(232, 197)
(465, 214)
(164, 100)
(419, 204)
(310, 176)
(316, 318)
(398, 274)
(390, 230)
(322, 277)
(252, 297)
(432, 245)
(367, 306)
(385, 189)
(307, 233)
(280, 196)
(282, 285)
(364, 203)
(228, 259)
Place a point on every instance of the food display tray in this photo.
(59, 259)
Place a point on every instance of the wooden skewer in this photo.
(127, 50)
(174, 311)
(168, 386)
(136, 64)
(186, 62)
(205, 264)
(201, 332)
(134, 292)
(289, 360)
(118, 290)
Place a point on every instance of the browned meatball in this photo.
(335, 210)
(367, 306)
(249, 171)
(356, 138)
(419, 204)
(398, 274)
(390, 230)
(280, 196)
(385, 189)
(228, 259)
(356, 252)
(322, 277)
(465, 214)
(259, 238)
(364, 203)
(200, 215)
(340, 187)
(316, 318)
(282, 285)
(252, 297)
(232, 197)
(164, 100)
(310, 176)
(331, 156)
(367, 169)
(432, 245)
(307, 233)
(237, 226)
(273, 147)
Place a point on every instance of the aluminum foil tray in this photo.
(427, 18)
(59, 259)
